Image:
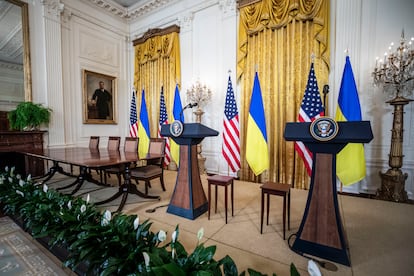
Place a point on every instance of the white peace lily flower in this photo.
(45, 188)
(12, 171)
(83, 208)
(174, 236)
(21, 182)
(29, 177)
(20, 193)
(6, 168)
(173, 253)
(18, 176)
(10, 179)
(78, 217)
(136, 223)
(70, 204)
(162, 236)
(107, 215)
(88, 197)
(61, 213)
(1, 180)
(146, 258)
(313, 269)
(200, 233)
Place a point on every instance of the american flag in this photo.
(231, 133)
(310, 109)
(163, 121)
(133, 130)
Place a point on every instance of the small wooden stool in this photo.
(220, 180)
(279, 189)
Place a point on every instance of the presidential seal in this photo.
(176, 128)
(324, 129)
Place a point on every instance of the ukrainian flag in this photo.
(350, 161)
(143, 128)
(257, 153)
(179, 116)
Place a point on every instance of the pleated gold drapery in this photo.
(157, 64)
(278, 38)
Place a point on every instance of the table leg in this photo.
(52, 171)
(124, 189)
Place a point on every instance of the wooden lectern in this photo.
(188, 199)
(321, 232)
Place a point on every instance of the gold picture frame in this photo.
(99, 98)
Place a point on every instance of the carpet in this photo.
(21, 255)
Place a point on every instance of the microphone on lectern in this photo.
(190, 105)
(325, 92)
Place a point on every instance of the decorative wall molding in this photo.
(228, 7)
(53, 7)
(185, 21)
(134, 11)
(106, 53)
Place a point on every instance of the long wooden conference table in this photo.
(92, 159)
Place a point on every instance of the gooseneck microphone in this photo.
(190, 105)
(325, 92)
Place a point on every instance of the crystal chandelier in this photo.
(396, 71)
(198, 93)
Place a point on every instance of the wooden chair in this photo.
(130, 146)
(279, 189)
(225, 181)
(94, 142)
(114, 142)
(93, 145)
(154, 167)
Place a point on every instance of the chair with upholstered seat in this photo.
(278, 189)
(154, 167)
(130, 146)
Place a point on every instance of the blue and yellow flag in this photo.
(177, 115)
(350, 161)
(257, 153)
(143, 128)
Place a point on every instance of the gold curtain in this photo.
(277, 38)
(157, 64)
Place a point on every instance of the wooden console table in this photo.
(12, 142)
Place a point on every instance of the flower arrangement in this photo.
(109, 244)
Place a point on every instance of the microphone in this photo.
(325, 92)
(190, 105)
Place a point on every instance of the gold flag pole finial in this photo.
(313, 57)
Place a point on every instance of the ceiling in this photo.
(11, 37)
(127, 3)
(11, 46)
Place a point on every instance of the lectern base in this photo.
(318, 250)
(188, 213)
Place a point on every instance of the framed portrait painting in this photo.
(99, 98)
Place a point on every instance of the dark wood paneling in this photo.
(13, 142)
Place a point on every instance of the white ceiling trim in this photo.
(138, 9)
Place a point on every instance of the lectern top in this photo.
(348, 132)
(191, 130)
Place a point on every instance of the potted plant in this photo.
(28, 116)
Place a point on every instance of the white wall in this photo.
(367, 28)
(93, 39)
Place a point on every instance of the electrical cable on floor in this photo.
(324, 264)
(152, 210)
